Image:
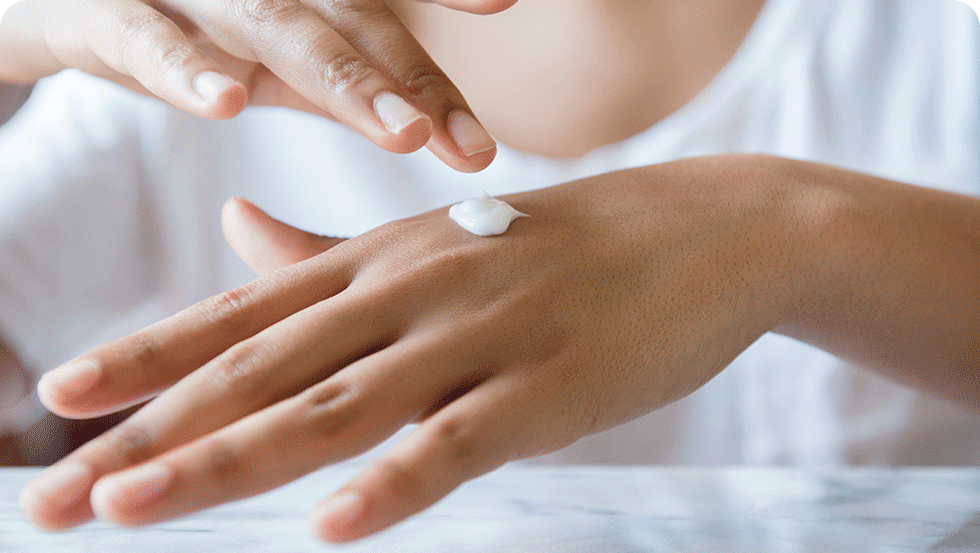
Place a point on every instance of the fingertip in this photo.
(100, 501)
(412, 137)
(129, 498)
(463, 143)
(230, 103)
(339, 519)
(53, 501)
(479, 161)
(60, 388)
(234, 208)
(478, 7)
(408, 129)
(459, 162)
(222, 96)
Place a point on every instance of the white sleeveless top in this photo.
(109, 214)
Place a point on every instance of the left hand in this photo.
(620, 294)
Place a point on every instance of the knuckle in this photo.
(240, 367)
(332, 409)
(425, 80)
(262, 13)
(403, 483)
(135, 28)
(229, 310)
(346, 70)
(456, 438)
(143, 348)
(130, 441)
(173, 56)
(225, 462)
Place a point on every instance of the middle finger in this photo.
(358, 62)
(274, 364)
(338, 418)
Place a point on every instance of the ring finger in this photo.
(338, 418)
(253, 374)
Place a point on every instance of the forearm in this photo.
(893, 279)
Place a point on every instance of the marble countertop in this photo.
(581, 509)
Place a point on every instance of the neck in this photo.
(561, 77)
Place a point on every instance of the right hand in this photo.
(349, 60)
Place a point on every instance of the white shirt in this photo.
(109, 207)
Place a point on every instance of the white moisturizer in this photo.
(484, 216)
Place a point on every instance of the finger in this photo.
(342, 416)
(471, 436)
(275, 364)
(266, 244)
(128, 38)
(297, 45)
(134, 39)
(458, 139)
(24, 55)
(480, 7)
(129, 370)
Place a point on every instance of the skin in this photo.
(625, 65)
(644, 284)
(673, 271)
(348, 52)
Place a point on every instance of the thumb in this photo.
(264, 243)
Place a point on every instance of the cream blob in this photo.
(484, 216)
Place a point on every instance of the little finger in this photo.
(471, 436)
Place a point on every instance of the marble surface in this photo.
(609, 510)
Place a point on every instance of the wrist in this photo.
(845, 228)
(812, 224)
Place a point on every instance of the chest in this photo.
(555, 80)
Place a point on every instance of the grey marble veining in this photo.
(581, 510)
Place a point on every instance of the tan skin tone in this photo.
(508, 67)
(335, 58)
(620, 294)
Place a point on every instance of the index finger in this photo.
(358, 62)
(131, 369)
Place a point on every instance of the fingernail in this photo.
(76, 377)
(394, 112)
(469, 135)
(210, 85)
(133, 488)
(61, 486)
(340, 512)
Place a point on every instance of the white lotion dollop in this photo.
(484, 216)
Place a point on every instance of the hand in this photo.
(350, 60)
(620, 294)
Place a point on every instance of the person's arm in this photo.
(352, 61)
(893, 280)
(621, 293)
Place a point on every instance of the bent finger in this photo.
(297, 45)
(134, 39)
(458, 139)
(479, 7)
